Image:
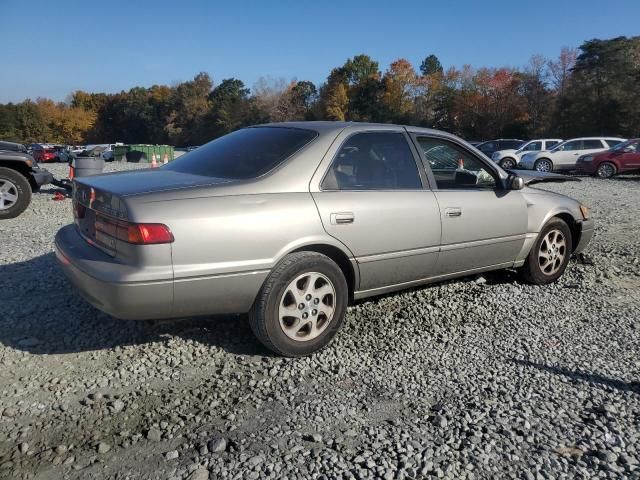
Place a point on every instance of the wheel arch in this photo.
(539, 159)
(23, 169)
(573, 226)
(340, 257)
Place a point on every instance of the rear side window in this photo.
(552, 143)
(612, 142)
(374, 161)
(589, 144)
(243, 154)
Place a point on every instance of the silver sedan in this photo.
(291, 222)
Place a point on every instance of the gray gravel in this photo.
(476, 378)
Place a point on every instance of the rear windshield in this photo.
(243, 154)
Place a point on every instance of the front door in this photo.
(372, 199)
(483, 224)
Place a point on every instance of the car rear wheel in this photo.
(606, 170)
(301, 305)
(508, 163)
(543, 165)
(15, 193)
(549, 256)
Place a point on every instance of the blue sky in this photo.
(51, 48)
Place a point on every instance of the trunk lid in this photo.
(99, 200)
(148, 180)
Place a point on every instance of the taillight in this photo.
(134, 233)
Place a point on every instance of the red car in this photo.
(45, 154)
(623, 158)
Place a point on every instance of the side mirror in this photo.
(515, 182)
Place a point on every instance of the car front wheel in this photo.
(549, 256)
(606, 170)
(543, 165)
(301, 305)
(508, 163)
(15, 193)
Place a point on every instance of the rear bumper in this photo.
(41, 176)
(586, 234)
(107, 285)
(119, 298)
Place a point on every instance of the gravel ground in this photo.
(478, 378)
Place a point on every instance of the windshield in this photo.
(623, 145)
(560, 146)
(243, 154)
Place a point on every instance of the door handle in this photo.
(340, 218)
(453, 212)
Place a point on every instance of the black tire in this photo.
(606, 170)
(541, 162)
(264, 315)
(507, 163)
(532, 271)
(16, 185)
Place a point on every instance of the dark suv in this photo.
(19, 177)
(491, 146)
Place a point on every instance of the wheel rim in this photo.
(307, 306)
(8, 194)
(543, 166)
(553, 250)
(606, 170)
(507, 164)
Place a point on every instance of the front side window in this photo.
(453, 167)
(532, 147)
(592, 144)
(243, 154)
(374, 161)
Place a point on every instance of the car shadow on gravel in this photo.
(42, 314)
(592, 379)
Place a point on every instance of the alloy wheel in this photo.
(508, 164)
(307, 306)
(543, 165)
(8, 194)
(553, 250)
(606, 170)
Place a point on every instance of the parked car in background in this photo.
(20, 175)
(44, 154)
(622, 158)
(509, 158)
(491, 146)
(564, 156)
(290, 222)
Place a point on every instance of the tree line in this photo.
(594, 90)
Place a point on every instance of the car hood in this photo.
(148, 180)
(531, 177)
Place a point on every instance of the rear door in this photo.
(567, 156)
(483, 225)
(373, 198)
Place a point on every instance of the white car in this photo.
(510, 158)
(564, 156)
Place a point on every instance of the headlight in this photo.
(585, 212)
(586, 158)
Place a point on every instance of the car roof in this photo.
(335, 126)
